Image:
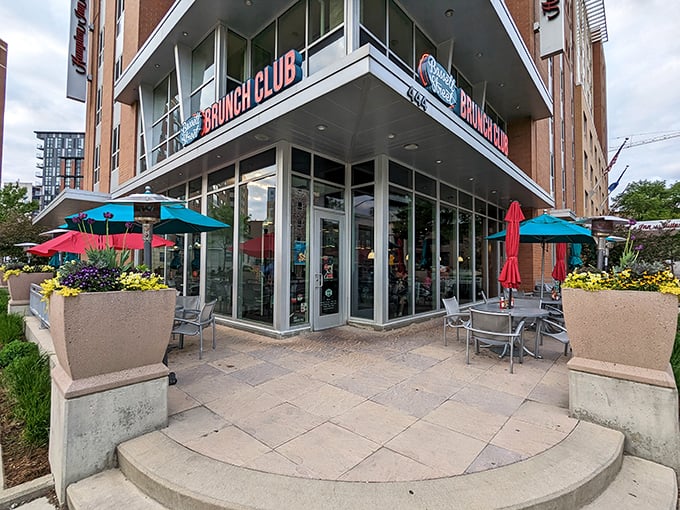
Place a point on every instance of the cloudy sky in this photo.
(642, 55)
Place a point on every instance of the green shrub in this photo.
(11, 328)
(27, 380)
(4, 301)
(16, 349)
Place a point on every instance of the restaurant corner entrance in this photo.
(328, 270)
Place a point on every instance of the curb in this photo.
(10, 498)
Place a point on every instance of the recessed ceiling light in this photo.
(218, 156)
(156, 66)
(471, 178)
(501, 84)
(493, 191)
(448, 13)
(411, 146)
(479, 54)
(248, 2)
(516, 107)
(261, 137)
(185, 33)
(391, 136)
(321, 127)
(438, 161)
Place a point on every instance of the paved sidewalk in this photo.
(356, 404)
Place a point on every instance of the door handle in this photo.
(317, 281)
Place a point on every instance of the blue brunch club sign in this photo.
(439, 82)
(284, 72)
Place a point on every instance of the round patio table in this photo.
(520, 312)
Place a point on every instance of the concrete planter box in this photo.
(99, 333)
(19, 286)
(633, 331)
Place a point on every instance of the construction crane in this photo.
(659, 138)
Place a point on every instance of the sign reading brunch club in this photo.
(284, 72)
(439, 82)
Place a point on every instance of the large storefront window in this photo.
(400, 291)
(299, 259)
(448, 252)
(203, 74)
(220, 251)
(256, 241)
(363, 253)
(425, 222)
(465, 275)
(166, 119)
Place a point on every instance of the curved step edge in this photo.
(566, 476)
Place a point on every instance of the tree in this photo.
(648, 200)
(16, 213)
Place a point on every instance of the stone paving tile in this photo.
(179, 401)
(414, 360)
(467, 420)
(409, 399)
(209, 388)
(488, 400)
(550, 394)
(290, 386)
(526, 438)
(437, 447)
(439, 382)
(327, 401)
(375, 421)
(243, 403)
(386, 465)
(492, 457)
(366, 383)
(236, 362)
(546, 416)
(229, 444)
(279, 424)
(273, 462)
(192, 424)
(519, 383)
(259, 374)
(313, 449)
(293, 360)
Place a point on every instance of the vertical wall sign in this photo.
(76, 77)
(551, 32)
(439, 82)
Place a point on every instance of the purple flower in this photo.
(76, 220)
(108, 215)
(90, 221)
(82, 216)
(129, 225)
(632, 222)
(639, 247)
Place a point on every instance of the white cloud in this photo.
(37, 34)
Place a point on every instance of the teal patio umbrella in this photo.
(548, 229)
(175, 219)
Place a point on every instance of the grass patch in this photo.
(11, 328)
(27, 381)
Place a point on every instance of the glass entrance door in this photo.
(329, 273)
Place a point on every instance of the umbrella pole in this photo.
(147, 235)
(542, 268)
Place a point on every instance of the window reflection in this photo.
(299, 260)
(220, 252)
(400, 279)
(424, 256)
(256, 250)
(364, 256)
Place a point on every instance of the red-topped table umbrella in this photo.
(559, 272)
(510, 277)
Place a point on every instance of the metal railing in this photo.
(38, 307)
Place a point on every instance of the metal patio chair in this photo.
(494, 329)
(454, 318)
(555, 330)
(193, 327)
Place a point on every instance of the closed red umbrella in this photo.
(559, 272)
(510, 277)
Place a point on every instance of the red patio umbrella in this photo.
(559, 272)
(70, 242)
(135, 241)
(259, 247)
(509, 277)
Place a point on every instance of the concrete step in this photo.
(108, 490)
(640, 485)
(567, 476)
